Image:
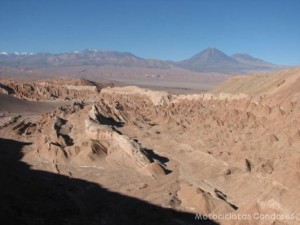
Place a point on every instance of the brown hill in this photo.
(282, 83)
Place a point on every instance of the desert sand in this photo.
(79, 152)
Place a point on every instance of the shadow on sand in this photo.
(37, 197)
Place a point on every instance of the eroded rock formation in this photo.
(221, 153)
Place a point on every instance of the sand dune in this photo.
(15, 105)
(263, 84)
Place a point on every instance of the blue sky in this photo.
(164, 29)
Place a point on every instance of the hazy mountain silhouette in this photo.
(86, 57)
(209, 60)
(251, 61)
(32, 197)
(214, 60)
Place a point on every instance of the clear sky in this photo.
(163, 29)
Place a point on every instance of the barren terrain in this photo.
(74, 152)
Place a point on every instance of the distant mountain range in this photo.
(86, 57)
(213, 60)
(209, 60)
